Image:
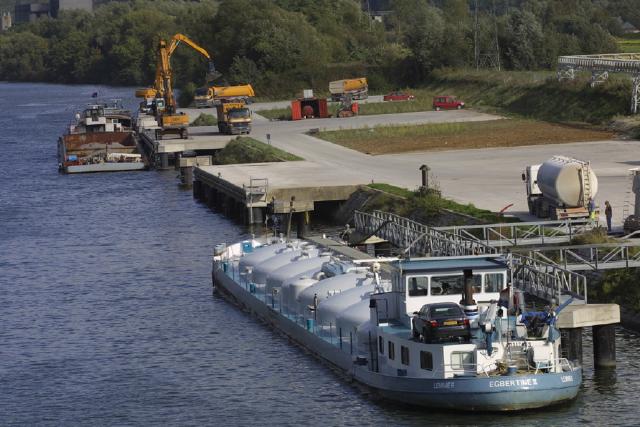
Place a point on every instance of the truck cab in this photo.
(203, 97)
(234, 118)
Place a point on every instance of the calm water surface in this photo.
(107, 315)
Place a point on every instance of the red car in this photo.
(447, 103)
(398, 96)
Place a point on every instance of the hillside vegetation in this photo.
(283, 46)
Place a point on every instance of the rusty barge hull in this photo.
(83, 146)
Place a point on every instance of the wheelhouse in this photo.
(431, 280)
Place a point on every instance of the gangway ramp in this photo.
(590, 257)
(509, 234)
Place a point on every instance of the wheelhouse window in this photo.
(426, 360)
(452, 284)
(493, 282)
(381, 345)
(462, 360)
(418, 286)
(392, 351)
(404, 355)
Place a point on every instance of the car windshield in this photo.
(203, 91)
(446, 311)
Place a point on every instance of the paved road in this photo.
(488, 178)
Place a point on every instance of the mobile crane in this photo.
(159, 99)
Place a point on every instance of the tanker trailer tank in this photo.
(564, 187)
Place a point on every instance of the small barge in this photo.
(101, 140)
(373, 325)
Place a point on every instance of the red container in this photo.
(314, 108)
(296, 110)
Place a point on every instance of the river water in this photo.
(107, 315)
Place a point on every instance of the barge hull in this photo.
(105, 167)
(497, 393)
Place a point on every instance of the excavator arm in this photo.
(163, 67)
(178, 38)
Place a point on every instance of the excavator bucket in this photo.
(212, 73)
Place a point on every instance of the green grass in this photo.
(391, 189)
(248, 150)
(536, 95)
(276, 113)
(384, 132)
(205, 120)
(425, 207)
(629, 43)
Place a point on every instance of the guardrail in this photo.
(601, 256)
(416, 238)
(522, 233)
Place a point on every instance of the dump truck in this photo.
(357, 88)
(234, 118)
(208, 96)
(560, 188)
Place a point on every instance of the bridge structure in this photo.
(534, 275)
(600, 66)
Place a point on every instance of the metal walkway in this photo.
(522, 233)
(594, 257)
(600, 66)
(536, 276)
(416, 238)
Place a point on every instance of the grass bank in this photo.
(630, 43)
(537, 95)
(426, 207)
(205, 119)
(461, 135)
(248, 150)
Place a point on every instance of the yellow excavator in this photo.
(159, 99)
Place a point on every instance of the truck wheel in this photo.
(437, 108)
(459, 107)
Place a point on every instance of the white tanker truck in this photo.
(560, 188)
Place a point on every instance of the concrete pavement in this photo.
(489, 178)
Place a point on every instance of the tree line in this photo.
(281, 46)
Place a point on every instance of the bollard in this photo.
(604, 346)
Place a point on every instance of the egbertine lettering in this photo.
(526, 382)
